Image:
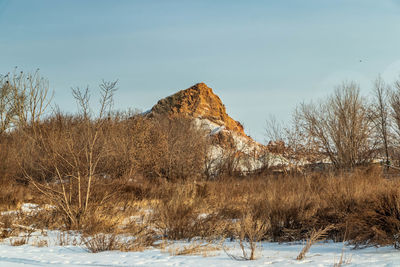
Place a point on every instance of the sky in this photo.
(261, 57)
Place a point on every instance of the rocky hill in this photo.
(198, 101)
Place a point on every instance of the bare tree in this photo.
(72, 151)
(24, 99)
(395, 116)
(380, 115)
(7, 107)
(339, 127)
(291, 142)
(31, 96)
(274, 130)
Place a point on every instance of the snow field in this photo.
(270, 254)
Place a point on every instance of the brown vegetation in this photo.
(363, 207)
(122, 173)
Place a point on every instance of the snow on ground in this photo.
(272, 254)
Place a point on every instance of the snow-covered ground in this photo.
(322, 254)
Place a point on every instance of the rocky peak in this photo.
(198, 101)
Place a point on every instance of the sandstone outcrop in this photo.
(198, 101)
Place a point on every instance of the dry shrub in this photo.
(293, 207)
(4, 234)
(18, 241)
(315, 236)
(176, 216)
(287, 204)
(102, 219)
(171, 148)
(100, 242)
(66, 238)
(6, 222)
(78, 163)
(104, 242)
(143, 239)
(296, 205)
(68, 174)
(186, 147)
(377, 222)
(65, 160)
(289, 212)
(249, 232)
(13, 193)
(140, 228)
(45, 218)
(158, 147)
(184, 214)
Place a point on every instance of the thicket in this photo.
(97, 170)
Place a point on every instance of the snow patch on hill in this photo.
(250, 155)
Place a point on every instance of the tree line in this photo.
(346, 129)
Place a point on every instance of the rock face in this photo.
(198, 101)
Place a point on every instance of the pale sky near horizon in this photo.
(260, 57)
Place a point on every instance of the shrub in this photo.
(377, 222)
(100, 242)
(176, 216)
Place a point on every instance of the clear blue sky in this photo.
(260, 57)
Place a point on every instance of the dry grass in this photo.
(343, 260)
(40, 243)
(204, 249)
(361, 203)
(315, 236)
(18, 241)
(249, 231)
